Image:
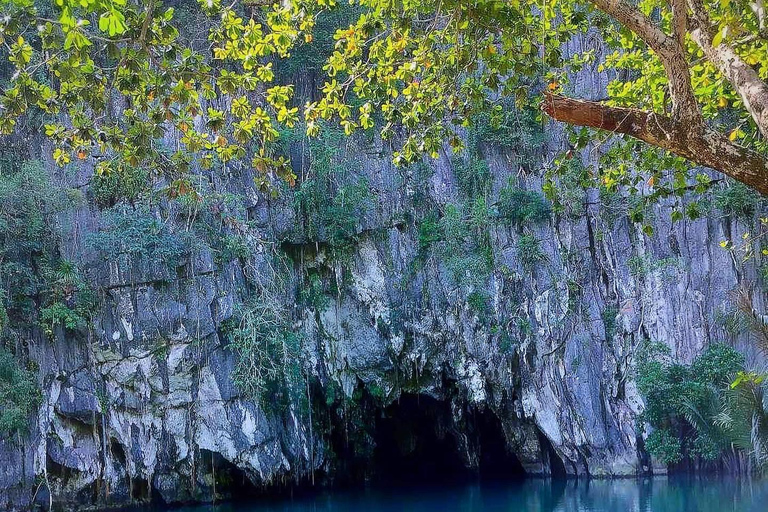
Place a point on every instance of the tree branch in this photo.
(702, 146)
(680, 20)
(758, 7)
(668, 49)
(147, 22)
(745, 80)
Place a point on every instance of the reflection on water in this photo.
(657, 495)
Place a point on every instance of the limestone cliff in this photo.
(489, 330)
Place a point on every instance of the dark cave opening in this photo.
(222, 479)
(556, 464)
(496, 460)
(416, 442)
(413, 443)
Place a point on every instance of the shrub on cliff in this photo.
(737, 200)
(333, 196)
(682, 402)
(19, 395)
(137, 233)
(521, 207)
(270, 363)
(30, 262)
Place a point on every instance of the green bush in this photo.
(685, 400)
(332, 216)
(479, 216)
(19, 395)
(231, 247)
(460, 240)
(29, 236)
(507, 344)
(519, 130)
(664, 446)
(4, 320)
(479, 303)
(466, 249)
(125, 183)
(609, 322)
(429, 232)
(473, 177)
(60, 314)
(521, 207)
(642, 266)
(717, 365)
(33, 273)
(313, 293)
(565, 186)
(218, 221)
(137, 233)
(341, 219)
(454, 228)
(529, 251)
(737, 200)
(331, 204)
(70, 302)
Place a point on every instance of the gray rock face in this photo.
(143, 405)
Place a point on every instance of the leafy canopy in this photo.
(114, 76)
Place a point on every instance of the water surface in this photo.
(656, 495)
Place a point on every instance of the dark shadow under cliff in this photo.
(418, 441)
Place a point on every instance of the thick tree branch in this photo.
(680, 20)
(758, 7)
(745, 80)
(668, 49)
(701, 145)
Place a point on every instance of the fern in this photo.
(744, 416)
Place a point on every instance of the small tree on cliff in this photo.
(114, 75)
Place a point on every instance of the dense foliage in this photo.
(70, 302)
(700, 411)
(333, 196)
(32, 272)
(521, 207)
(18, 394)
(135, 232)
(32, 275)
(417, 72)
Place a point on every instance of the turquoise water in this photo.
(656, 495)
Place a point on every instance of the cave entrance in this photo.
(413, 443)
(416, 442)
(496, 461)
(221, 479)
(551, 458)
